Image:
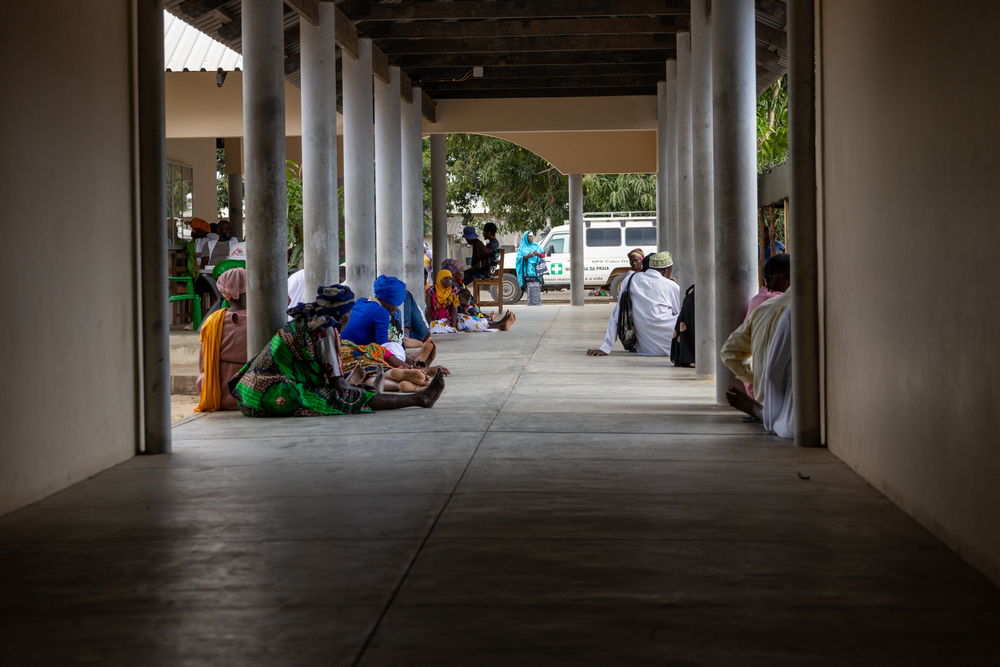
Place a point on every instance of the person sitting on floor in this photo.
(777, 278)
(223, 345)
(777, 410)
(745, 351)
(682, 348)
(372, 322)
(442, 304)
(468, 309)
(651, 302)
(298, 373)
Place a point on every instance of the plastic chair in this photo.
(188, 295)
(224, 266)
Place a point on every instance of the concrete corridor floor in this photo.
(552, 509)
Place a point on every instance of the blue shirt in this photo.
(369, 323)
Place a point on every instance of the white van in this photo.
(607, 240)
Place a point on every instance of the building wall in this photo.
(68, 323)
(910, 132)
(200, 154)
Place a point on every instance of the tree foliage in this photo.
(772, 126)
(619, 192)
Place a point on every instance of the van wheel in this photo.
(512, 292)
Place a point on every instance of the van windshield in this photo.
(557, 244)
(604, 237)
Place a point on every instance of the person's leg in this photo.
(534, 292)
(424, 398)
(744, 403)
(415, 319)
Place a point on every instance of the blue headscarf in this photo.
(391, 290)
(526, 265)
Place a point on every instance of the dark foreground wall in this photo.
(68, 324)
(910, 178)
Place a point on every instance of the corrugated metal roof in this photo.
(187, 49)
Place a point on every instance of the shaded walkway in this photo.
(552, 509)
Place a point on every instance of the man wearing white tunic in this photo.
(656, 302)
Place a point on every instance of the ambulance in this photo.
(607, 240)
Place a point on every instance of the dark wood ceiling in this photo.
(526, 48)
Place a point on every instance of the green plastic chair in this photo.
(188, 295)
(224, 266)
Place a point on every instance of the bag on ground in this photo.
(626, 324)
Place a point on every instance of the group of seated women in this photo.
(336, 355)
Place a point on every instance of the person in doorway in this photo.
(652, 302)
(528, 254)
(223, 345)
(299, 373)
(481, 257)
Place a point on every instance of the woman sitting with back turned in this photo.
(298, 373)
(223, 344)
(372, 322)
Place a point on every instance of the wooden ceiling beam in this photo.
(195, 9)
(419, 60)
(526, 28)
(545, 92)
(511, 9)
(431, 73)
(396, 47)
(307, 9)
(600, 81)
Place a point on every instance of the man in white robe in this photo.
(656, 303)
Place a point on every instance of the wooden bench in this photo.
(495, 280)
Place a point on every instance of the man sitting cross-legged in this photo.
(655, 304)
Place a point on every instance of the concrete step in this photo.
(184, 347)
(183, 377)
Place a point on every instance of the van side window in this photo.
(637, 236)
(557, 244)
(604, 237)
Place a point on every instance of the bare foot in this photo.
(430, 394)
(505, 323)
(434, 370)
(414, 375)
(744, 403)
(407, 387)
(596, 353)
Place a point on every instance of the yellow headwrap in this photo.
(446, 297)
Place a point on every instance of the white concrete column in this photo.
(321, 243)
(803, 234)
(154, 313)
(734, 115)
(413, 195)
(439, 202)
(266, 205)
(388, 184)
(684, 260)
(576, 264)
(672, 206)
(703, 189)
(662, 175)
(359, 169)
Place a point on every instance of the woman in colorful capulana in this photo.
(443, 312)
(528, 254)
(299, 374)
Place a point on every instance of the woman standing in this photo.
(528, 254)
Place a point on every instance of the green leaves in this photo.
(772, 126)
(619, 192)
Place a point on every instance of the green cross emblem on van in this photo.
(555, 269)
